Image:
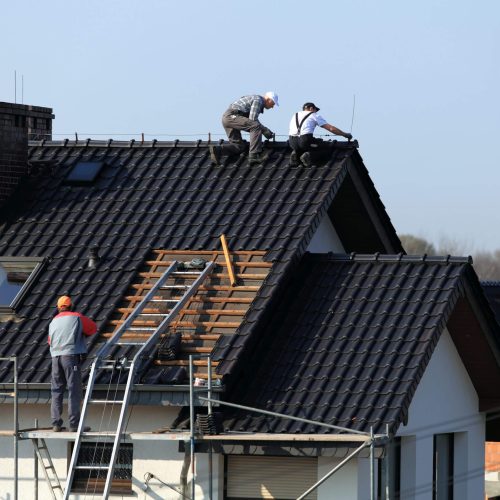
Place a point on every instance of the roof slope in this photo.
(151, 196)
(350, 341)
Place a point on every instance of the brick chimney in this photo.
(18, 123)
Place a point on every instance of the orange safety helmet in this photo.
(63, 301)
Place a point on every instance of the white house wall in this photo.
(445, 402)
(159, 457)
(325, 239)
(342, 484)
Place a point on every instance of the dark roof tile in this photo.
(159, 197)
(349, 342)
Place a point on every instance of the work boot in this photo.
(306, 159)
(214, 155)
(255, 159)
(57, 428)
(294, 161)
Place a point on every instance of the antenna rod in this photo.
(15, 87)
(353, 107)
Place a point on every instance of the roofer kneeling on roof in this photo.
(243, 114)
(301, 138)
(67, 347)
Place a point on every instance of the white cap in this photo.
(273, 96)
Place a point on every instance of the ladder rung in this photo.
(158, 300)
(114, 367)
(140, 329)
(92, 467)
(104, 401)
(174, 287)
(129, 343)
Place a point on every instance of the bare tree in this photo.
(414, 245)
(486, 264)
(453, 246)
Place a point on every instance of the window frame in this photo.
(39, 263)
(389, 471)
(76, 178)
(444, 442)
(117, 485)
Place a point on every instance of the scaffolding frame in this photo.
(367, 439)
(13, 359)
(370, 438)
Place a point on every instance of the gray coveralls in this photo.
(67, 347)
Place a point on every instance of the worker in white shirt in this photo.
(301, 138)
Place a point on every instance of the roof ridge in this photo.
(136, 143)
(379, 257)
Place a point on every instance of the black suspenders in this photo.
(299, 125)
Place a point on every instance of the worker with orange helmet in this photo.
(67, 332)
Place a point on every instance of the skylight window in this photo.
(84, 172)
(16, 275)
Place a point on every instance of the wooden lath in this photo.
(218, 307)
(227, 256)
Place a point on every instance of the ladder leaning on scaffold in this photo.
(133, 367)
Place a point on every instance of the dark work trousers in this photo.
(232, 124)
(66, 373)
(305, 143)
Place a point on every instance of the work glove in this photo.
(267, 133)
(348, 136)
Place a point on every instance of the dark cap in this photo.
(310, 105)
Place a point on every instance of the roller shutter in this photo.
(281, 478)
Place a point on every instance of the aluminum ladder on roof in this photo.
(49, 471)
(143, 348)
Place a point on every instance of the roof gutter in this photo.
(143, 394)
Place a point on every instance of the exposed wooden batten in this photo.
(217, 308)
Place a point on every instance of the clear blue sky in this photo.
(426, 76)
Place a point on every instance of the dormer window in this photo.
(16, 276)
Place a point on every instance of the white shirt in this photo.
(311, 122)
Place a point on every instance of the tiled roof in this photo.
(162, 196)
(351, 339)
